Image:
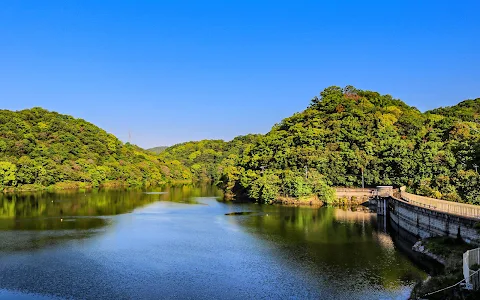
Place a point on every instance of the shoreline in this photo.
(449, 253)
(80, 186)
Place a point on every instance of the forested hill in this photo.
(207, 160)
(468, 110)
(39, 148)
(343, 132)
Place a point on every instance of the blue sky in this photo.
(173, 71)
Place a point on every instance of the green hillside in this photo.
(345, 131)
(208, 159)
(39, 148)
(341, 133)
(468, 110)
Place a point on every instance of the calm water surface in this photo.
(186, 244)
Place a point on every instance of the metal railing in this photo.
(341, 189)
(461, 209)
(471, 258)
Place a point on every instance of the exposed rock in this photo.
(419, 247)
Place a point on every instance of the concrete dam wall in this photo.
(427, 221)
(421, 216)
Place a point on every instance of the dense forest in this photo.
(207, 160)
(342, 133)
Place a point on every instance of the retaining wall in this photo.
(424, 222)
(358, 193)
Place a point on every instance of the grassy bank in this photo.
(307, 200)
(312, 200)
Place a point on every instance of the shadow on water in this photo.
(37, 240)
(404, 241)
(53, 223)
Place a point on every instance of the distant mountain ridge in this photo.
(158, 149)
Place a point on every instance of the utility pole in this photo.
(476, 167)
(363, 180)
(462, 163)
(263, 168)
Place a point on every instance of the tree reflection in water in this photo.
(39, 219)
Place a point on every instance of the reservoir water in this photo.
(184, 243)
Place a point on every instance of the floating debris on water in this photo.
(239, 213)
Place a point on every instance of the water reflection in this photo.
(187, 193)
(42, 206)
(337, 243)
(94, 203)
(73, 245)
(50, 218)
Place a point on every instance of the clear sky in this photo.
(173, 71)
